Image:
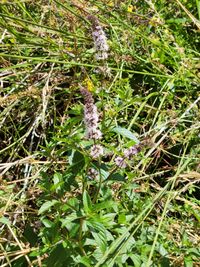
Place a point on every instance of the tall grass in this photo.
(136, 202)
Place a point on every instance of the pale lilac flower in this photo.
(120, 162)
(127, 155)
(92, 173)
(91, 116)
(131, 151)
(93, 133)
(96, 151)
(99, 38)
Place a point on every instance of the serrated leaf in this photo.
(98, 232)
(47, 205)
(126, 133)
(100, 239)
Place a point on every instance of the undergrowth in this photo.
(99, 130)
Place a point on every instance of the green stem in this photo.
(99, 185)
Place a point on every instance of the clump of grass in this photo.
(65, 201)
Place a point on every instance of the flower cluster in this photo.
(120, 162)
(91, 116)
(96, 151)
(92, 173)
(127, 155)
(100, 40)
(91, 119)
(130, 152)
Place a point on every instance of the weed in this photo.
(99, 129)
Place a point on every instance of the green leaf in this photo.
(58, 181)
(188, 262)
(116, 177)
(74, 230)
(78, 162)
(47, 205)
(98, 232)
(58, 257)
(4, 220)
(126, 133)
(136, 260)
(30, 235)
(87, 203)
(85, 261)
(165, 262)
(107, 204)
(67, 221)
(100, 239)
(122, 218)
(47, 223)
(162, 250)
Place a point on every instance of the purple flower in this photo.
(96, 151)
(93, 133)
(92, 173)
(91, 119)
(131, 151)
(99, 38)
(120, 162)
(127, 155)
(91, 116)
